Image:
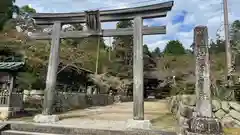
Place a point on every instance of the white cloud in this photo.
(161, 44)
(199, 12)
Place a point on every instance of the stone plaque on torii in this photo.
(93, 20)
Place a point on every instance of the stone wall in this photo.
(184, 108)
(67, 100)
(70, 101)
(120, 98)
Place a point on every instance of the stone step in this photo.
(70, 130)
(15, 132)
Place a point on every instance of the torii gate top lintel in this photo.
(149, 11)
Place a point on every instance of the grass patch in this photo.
(165, 122)
(232, 131)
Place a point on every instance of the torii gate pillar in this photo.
(138, 121)
(138, 103)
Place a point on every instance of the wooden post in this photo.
(109, 49)
(229, 68)
(52, 70)
(203, 92)
(138, 102)
(98, 52)
(11, 87)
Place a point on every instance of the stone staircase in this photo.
(22, 128)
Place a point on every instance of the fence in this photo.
(15, 101)
(30, 104)
(4, 98)
(65, 101)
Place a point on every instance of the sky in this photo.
(180, 21)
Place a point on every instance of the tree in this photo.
(174, 47)
(235, 35)
(235, 41)
(156, 52)
(124, 44)
(6, 9)
(146, 50)
(123, 49)
(217, 47)
(28, 9)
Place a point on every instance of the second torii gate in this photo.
(137, 14)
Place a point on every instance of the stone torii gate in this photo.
(136, 14)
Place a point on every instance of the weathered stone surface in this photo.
(100, 99)
(53, 129)
(26, 94)
(182, 121)
(178, 115)
(236, 123)
(182, 131)
(36, 92)
(89, 90)
(174, 105)
(235, 114)
(185, 111)
(216, 105)
(46, 118)
(189, 99)
(67, 101)
(229, 122)
(235, 106)
(168, 99)
(205, 126)
(220, 114)
(225, 106)
(138, 124)
(117, 99)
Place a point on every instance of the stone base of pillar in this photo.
(40, 118)
(138, 124)
(204, 126)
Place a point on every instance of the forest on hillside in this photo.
(116, 60)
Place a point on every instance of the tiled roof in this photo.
(11, 65)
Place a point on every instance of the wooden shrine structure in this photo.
(10, 100)
(93, 21)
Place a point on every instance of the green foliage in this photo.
(28, 9)
(25, 80)
(235, 36)
(6, 10)
(223, 93)
(217, 47)
(235, 41)
(124, 24)
(123, 50)
(174, 47)
(156, 52)
(146, 50)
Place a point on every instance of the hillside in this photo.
(36, 54)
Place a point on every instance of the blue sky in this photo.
(185, 15)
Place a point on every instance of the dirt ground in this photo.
(156, 111)
(115, 116)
